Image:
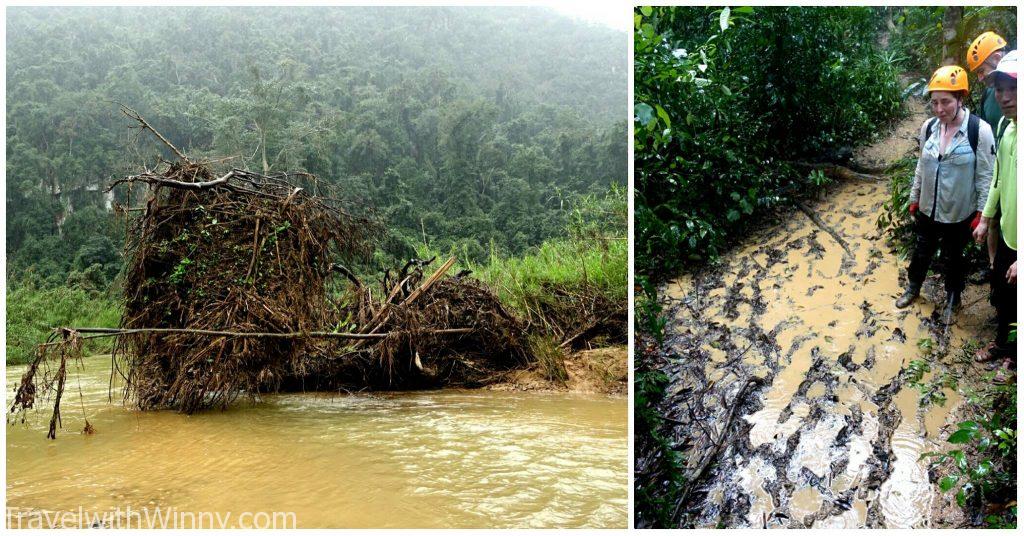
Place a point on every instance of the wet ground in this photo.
(832, 429)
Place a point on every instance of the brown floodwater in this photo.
(835, 341)
(448, 458)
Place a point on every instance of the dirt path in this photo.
(832, 433)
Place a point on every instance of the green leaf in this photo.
(948, 482)
(961, 460)
(746, 10)
(723, 19)
(961, 436)
(664, 116)
(969, 425)
(961, 499)
(646, 10)
(983, 469)
(732, 215)
(727, 91)
(644, 113)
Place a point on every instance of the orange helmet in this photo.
(982, 47)
(949, 78)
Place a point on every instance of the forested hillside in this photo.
(476, 129)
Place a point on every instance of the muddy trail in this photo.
(791, 370)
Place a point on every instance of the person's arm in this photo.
(986, 158)
(989, 210)
(915, 188)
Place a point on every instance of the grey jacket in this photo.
(950, 187)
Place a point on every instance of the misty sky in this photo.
(614, 15)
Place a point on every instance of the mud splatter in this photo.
(832, 436)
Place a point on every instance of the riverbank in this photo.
(595, 371)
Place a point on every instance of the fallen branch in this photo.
(348, 274)
(824, 226)
(380, 318)
(691, 480)
(156, 179)
(838, 172)
(111, 332)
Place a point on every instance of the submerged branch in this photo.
(824, 226)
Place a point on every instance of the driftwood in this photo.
(113, 332)
(824, 226)
(240, 264)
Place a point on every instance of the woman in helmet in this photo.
(982, 57)
(950, 185)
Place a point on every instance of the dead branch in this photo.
(112, 332)
(145, 124)
(824, 226)
(691, 481)
(838, 172)
(152, 178)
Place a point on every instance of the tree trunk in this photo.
(951, 53)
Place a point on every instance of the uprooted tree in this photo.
(236, 285)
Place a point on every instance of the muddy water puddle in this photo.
(832, 436)
(449, 458)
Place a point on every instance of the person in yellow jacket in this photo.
(1002, 199)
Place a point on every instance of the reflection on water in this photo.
(424, 459)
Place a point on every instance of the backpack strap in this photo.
(928, 129)
(973, 124)
(1001, 129)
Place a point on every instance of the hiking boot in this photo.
(908, 296)
(952, 305)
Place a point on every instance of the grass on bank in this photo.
(33, 312)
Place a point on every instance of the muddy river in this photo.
(424, 459)
(831, 434)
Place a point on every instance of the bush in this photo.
(917, 33)
(721, 110)
(983, 468)
(33, 312)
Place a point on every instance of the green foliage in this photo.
(594, 253)
(33, 312)
(469, 128)
(984, 463)
(648, 317)
(818, 179)
(720, 109)
(917, 33)
(895, 219)
(550, 358)
(656, 493)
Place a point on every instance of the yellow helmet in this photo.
(982, 47)
(949, 78)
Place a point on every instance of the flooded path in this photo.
(420, 459)
(831, 434)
